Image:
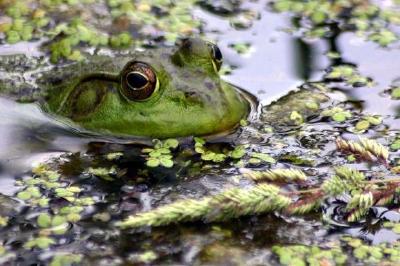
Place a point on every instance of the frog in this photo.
(159, 93)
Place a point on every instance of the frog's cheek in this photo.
(85, 99)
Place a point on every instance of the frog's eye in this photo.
(138, 81)
(216, 55)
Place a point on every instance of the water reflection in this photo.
(28, 135)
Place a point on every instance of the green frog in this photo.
(159, 93)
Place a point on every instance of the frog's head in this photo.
(161, 93)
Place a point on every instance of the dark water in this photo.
(276, 64)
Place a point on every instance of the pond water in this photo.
(91, 183)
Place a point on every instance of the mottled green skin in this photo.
(191, 100)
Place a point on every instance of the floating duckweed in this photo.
(297, 159)
(84, 201)
(337, 114)
(71, 209)
(28, 193)
(24, 195)
(104, 173)
(63, 193)
(341, 72)
(147, 257)
(309, 255)
(364, 18)
(73, 217)
(123, 40)
(313, 105)
(208, 155)
(395, 227)
(214, 157)
(44, 220)
(56, 224)
(374, 119)
(244, 122)
(383, 37)
(241, 48)
(395, 144)
(362, 125)
(296, 117)
(103, 217)
(161, 154)
(13, 37)
(263, 157)
(29, 22)
(3, 221)
(43, 171)
(349, 75)
(351, 158)
(395, 93)
(114, 156)
(367, 122)
(333, 55)
(42, 242)
(238, 152)
(382, 254)
(65, 259)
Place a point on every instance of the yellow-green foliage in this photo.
(277, 175)
(265, 197)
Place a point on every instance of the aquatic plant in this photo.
(364, 193)
(346, 251)
(319, 19)
(68, 35)
(161, 154)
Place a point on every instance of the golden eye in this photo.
(216, 55)
(138, 81)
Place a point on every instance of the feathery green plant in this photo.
(264, 197)
(229, 204)
(365, 149)
(276, 175)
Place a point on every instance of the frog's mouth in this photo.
(253, 114)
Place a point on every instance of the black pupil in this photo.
(136, 80)
(217, 53)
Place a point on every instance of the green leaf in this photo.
(44, 242)
(265, 157)
(58, 220)
(171, 143)
(374, 120)
(24, 195)
(362, 125)
(395, 145)
(44, 220)
(296, 117)
(340, 117)
(199, 141)
(153, 162)
(395, 93)
(168, 163)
